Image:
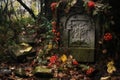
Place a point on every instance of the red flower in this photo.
(53, 6)
(91, 4)
(108, 36)
(89, 71)
(53, 59)
(75, 62)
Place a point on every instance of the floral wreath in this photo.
(95, 9)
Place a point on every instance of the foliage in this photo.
(12, 22)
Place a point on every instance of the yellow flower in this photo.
(111, 68)
(63, 58)
(110, 63)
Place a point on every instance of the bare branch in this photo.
(27, 8)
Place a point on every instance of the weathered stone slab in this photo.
(79, 36)
(43, 72)
(20, 51)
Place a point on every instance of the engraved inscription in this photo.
(81, 33)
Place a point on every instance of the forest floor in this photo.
(30, 69)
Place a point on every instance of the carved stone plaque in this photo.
(81, 37)
(81, 31)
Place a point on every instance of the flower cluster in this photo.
(63, 59)
(55, 31)
(55, 27)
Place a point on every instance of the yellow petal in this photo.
(110, 63)
(114, 69)
(111, 69)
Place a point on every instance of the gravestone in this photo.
(78, 35)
